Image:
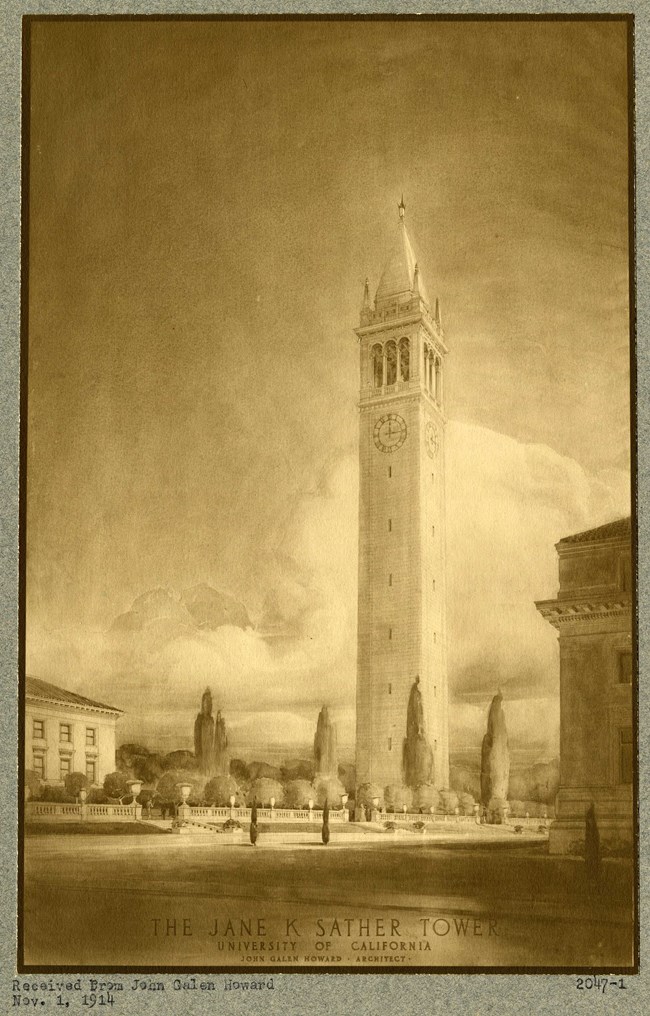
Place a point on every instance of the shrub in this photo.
(297, 769)
(181, 759)
(33, 784)
(96, 796)
(366, 793)
(219, 790)
(328, 788)
(127, 755)
(145, 796)
(231, 823)
(464, 780)
(263, 771)
(466, 804)
(168, 791)
(239, 770)
(396, 796)
(298, 793)
(448, 801)
(116, 785)
(517, 809)
(56, 795)
(425, 797)
(75, 782)
(348, 777)
(263, 789)
(148, 769)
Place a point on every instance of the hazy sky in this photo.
(206, 200)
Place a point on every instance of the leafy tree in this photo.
(74, 782)
(466, 804)
(116, 785)
(167, 788)
(148, 769)
(239, 770)
(449, 801)
(219, 790)
(298, 793)
(56, 795)
(181, 759)
(396, 796)
(366, 793)
(127, 755)
(426, 797)
(328, 788)
(263, 771)
(263, 789)
(297, 769)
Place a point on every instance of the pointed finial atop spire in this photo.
(401, 208)
(366, 294)
(438, 317)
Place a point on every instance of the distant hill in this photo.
(200, 607)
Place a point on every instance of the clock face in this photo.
(431, 439)
(390, 432)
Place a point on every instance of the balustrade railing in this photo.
(60, 811)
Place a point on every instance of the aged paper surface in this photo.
(329, 657)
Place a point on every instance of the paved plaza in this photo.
(197, 901)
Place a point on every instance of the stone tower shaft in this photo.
(401, 612)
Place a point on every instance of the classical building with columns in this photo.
(66, 732)
(401, 611)
(593, 615)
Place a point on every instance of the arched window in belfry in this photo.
(430, 378)
(404, 360)
(438, 379)
(377, 366)
(391, 362)
(425, 373)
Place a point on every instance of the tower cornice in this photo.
(407, 395)
(395, 324)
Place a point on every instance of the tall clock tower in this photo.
(401, 630)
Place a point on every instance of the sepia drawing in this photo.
(329, 550)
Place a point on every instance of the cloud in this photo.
(508, 503)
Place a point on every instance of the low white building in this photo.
(67, 733)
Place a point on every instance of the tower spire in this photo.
(401, 208)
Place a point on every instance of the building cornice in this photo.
(398, 323)
(588, 546)
(560, 612)
(41, 699)
(412, 395)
